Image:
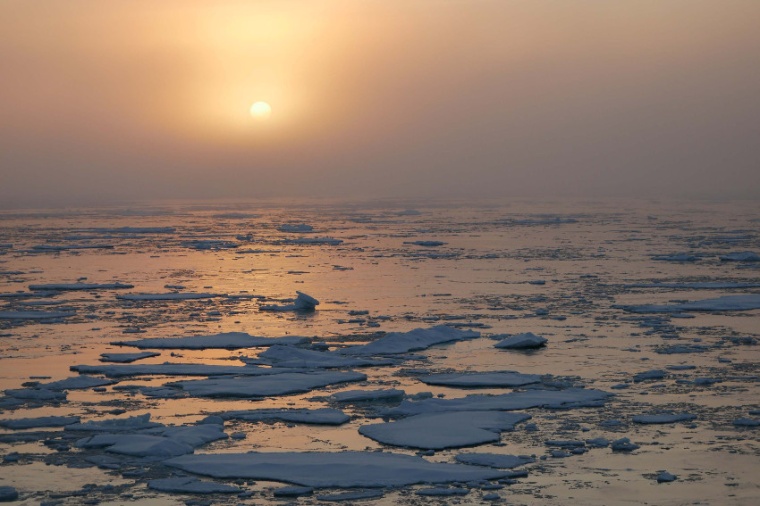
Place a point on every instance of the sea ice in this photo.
(665, 477)
(170, 369)
(324, 469)
(116, 424)
(481, 379)
(426, 244)
(442, 492)
(289, 356)
(623, 445)
(34, 315)
(303, 302)
(664, 418)
(654, 374)
(225, 340)
(527, 340)
(262, 386)
(744, 302)
(368, 395)
(43, 421)
(436, 431)
(126, 358)
(329, 241)
(572, 397)
(167, 296)
(414, 340)
(63, 287)
(323, 416)
(76, 383)
(741, 256)
(746, 422)
(494, 460)
(295, 228)
(187, 485)
(354, 495)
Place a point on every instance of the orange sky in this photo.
(125, 100)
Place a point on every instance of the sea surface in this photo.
(611, 286)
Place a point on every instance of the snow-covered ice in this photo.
(524, 341)
(481, 379)
(414, 340)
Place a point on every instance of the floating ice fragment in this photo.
(226, 340)
(299, 228)
(171, 369)
(293, 491)
(417, 339)
(303, 302)
(77, 383)
(34, 315)
(324, 469)
(369, 395)
(746, 422)
(527, 340)
(442, 492)
(654, 374)
(664, 418)
(436, 431)
(187, 485)
(742, 256)
(481, 379)
(665, 477)
(8, 494)
(677, 257)
(494, 460)
(290, 356)
(323, 416)
(62, 287)
(167, 296)
(43, 421)
(116, 424)
(125, 358)
(351, 496)
(426, 244)
(329, 241)
(744, 302)
(262, 386)
(623, 445)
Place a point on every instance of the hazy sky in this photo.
(120, 100)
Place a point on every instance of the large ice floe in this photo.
(436, 431)
(481, 379)
(414, 340)
(324, 470)
(290, 356)
(225, 340)
(744, 302)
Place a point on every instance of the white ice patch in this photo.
(303, 302)
(417, 339)
(481, 379)
(436, 431)
(262, 386)
(225, 340)
(325, 470)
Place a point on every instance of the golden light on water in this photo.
(261, 110)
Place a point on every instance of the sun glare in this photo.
(261, 110)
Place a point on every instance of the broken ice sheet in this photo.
(414, 340)
(225, 340)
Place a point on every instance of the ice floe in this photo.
(322, 416)
(290, 356)
(329, 241)
(131, 423)
(494, 460)
(125, 358)
(481, 379)
(661, 418)
(348, 396)
(295, 228)
(414, 340)
(741, 256)
(188, 485)
(354, 495)
(262, 386)
(34, 315)
(324, 469)
(171, 369)
(571, 397)
(744, 302)
(524, 341)
(76, 383)
(63, 287)
(167, 296)
(303, 302)
(225, 340)
(42, 421)
(436, 431)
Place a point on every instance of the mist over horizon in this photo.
(130, 101)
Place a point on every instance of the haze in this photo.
(128, 100)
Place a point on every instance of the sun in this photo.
(261, 110)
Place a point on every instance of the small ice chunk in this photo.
(329, 241)
(426, 244)
(116, 424)
(8, 494)
(436, 431)
(354, 495)
(34, 315)
(741, 256)
(295, 228)
(746, 422)
(188, 485)
(524, 341)
(303, 302)
(665, 477)
(623, 445)
(654, 374)
(167, 296)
